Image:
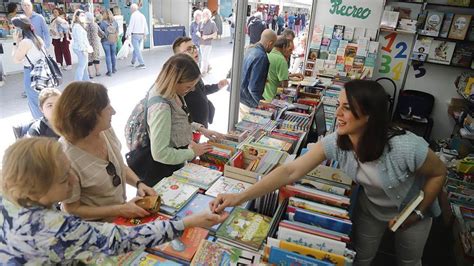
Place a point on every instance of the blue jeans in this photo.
(81, 71)
(31, 94)
(110, 58)
(137, 54)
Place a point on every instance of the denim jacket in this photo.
(397, 166)
(254, 75)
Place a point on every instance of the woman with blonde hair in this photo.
(82, 116)
(80, 44)
(169, 122)
(36, 175)
(109, 41)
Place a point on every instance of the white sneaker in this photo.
(69, 67)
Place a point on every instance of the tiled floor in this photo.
(126, 88)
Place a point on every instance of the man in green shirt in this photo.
(278, 74)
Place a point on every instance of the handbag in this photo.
(56, 73)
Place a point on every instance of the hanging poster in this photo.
(353, 13)
(393, 56)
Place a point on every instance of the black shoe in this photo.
(23, 95)
(114, 70)
(91, 77)
(108, 74)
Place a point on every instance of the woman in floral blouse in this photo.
(36, 175)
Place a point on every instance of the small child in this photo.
(63, 27)
(42, 127)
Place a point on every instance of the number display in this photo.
(393, 60)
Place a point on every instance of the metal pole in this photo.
(240, 10)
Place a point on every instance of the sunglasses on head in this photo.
(116, 181)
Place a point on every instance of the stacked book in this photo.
(295, 121)
(174, 193)
(197, 175)
(220, 153)
(316, 224)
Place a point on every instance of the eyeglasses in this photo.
(116, 181)
(191, 49)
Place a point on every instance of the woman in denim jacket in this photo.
(391, 166)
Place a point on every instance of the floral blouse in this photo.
(39, 236)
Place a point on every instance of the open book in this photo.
(411, 206)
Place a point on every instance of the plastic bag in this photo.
(126, 49)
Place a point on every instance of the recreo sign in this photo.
(354, 13)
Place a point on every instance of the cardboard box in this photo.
(246, 175)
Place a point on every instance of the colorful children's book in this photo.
(459, 26)
(198, 204)
(318, 207)
(185, 246)
(174, 194)
(315, 230)
(441, 52)
(214, 253)
(328, 31)
(338, 32)
(227, 185)
(335, 259)
(421, 48)
(136, 221)
(311, 241)
(349, 33)
(147, 259)
(245, 228)
(283, 257)
(273, 143)
(433, 23)
(198, 175)
(318, 219)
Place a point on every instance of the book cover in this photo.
(448, 19)
(245, 227)
(463, 54)
(312, 194)
(315, 230)
(283, 257)
(174, 193)
(198, 174)
(351, 50)
(421, 48)
(311, 241)
(459, 2)
(215, 253)
(441, 52)
(335, 259)
(318, 207)
(198, 204)
(333, 46)
(343, 44)
(433, 23)
(389, 19)
(227, 185)
(328, 31)
(348, 33)
(358, 33)
(136, 221)
(317, 36)
(145, 259)
(185, 246)
(371, 34)
(459, 26)
(273, 143)
(323, 53)
(313, 54)
(326, 42)
(317, 219)
(338, 32)
(373, 47)
(358, 64)
(409, 208)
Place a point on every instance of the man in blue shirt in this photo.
(255, 71)
(39, 24)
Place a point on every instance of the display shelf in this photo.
(444, 39)
(468, 68)
(398, 31)
(447, 5)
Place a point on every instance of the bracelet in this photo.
(138, 183)
(419, 214)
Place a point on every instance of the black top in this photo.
(41, 128)
(201, 109)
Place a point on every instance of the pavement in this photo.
(126, 88)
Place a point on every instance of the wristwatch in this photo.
(138, 183)
(419, 214)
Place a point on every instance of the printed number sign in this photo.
(394, 53)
